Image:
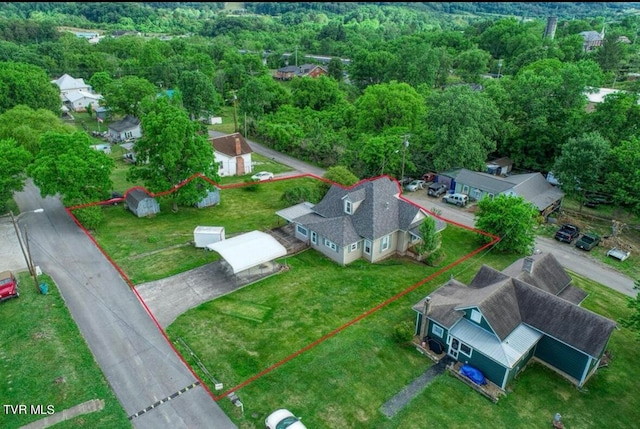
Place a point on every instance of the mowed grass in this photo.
(151, 248)
(45, 361)
(319, 339)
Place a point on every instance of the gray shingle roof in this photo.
(127, 123)
(506, 302)
(377, 211)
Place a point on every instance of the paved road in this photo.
(570, 257)
(138, 362)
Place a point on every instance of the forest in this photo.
(461, 83)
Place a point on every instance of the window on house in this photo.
(314, 237)
(384, 243)
(437, 330)
(348, 207)
(331, 245)
(301, 230)
(367, 247)
(353, 247)
(465, 189)
(465, 349)
(476, 316)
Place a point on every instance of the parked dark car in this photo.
(429, 177)
(567, 233)
(436, 189)
(588, 241)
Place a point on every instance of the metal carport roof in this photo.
(248, 250)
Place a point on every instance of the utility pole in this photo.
(235, 111)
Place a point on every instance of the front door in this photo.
(454, 348)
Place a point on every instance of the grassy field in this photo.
(296, 330)
(45, 361)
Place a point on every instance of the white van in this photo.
(459, 200)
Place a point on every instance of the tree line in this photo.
(425, 84)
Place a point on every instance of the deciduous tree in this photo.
(511, 218)
(13, 164)
(69, 166)
(174, 150)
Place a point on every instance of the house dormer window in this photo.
(476, 316)
(348, 207)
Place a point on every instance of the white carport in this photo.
(252, 253)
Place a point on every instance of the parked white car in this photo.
(415, 185)
(283, 419)
(263, 175)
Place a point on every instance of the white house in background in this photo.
(232, 153)
(75, 94)
(125, 129)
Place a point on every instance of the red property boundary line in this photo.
(320, 340)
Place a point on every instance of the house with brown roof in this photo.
(289, 72)
(232, 153)
(503, 320)
(367, 221)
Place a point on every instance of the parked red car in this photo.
(8, 286)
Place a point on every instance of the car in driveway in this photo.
(263, 175)
(588, 241)
(459, 200)
(567, 233)
(283, 419)
(416, 185)
(619, 254)
(436, 189)
(8, 286)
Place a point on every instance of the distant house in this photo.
(368, 220)
(232, 153)
(124, 129)
(591, 40)
(289, 72)
(533, 187)
(75, 94)
(141, 203)
(502, 321)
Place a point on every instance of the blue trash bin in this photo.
(44, 288)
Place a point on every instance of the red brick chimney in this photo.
(238, 146)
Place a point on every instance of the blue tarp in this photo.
(474, 374)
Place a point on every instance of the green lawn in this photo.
(323, 353)
(45, 361)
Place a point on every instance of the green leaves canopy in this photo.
(175, 150)
(511, 218)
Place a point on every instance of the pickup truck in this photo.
(567, 233)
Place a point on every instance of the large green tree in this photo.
(199, 96)
(29, 85)
(13, 164)
(25, 125)
(511, 218)
(622, 178)
(171, 151)
(464, 125)
(67, 165)
(126, 95)
(386, 105)
(580, 166)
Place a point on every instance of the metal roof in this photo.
(248, 250)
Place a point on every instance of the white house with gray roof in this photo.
(533, 187)
(503, 320)
(368, 220)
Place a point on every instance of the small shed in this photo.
(205, 235)
(211, 199)
(141, 203)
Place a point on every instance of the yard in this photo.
(45, 361)
(323, 337)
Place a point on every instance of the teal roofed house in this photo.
(502, 321)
